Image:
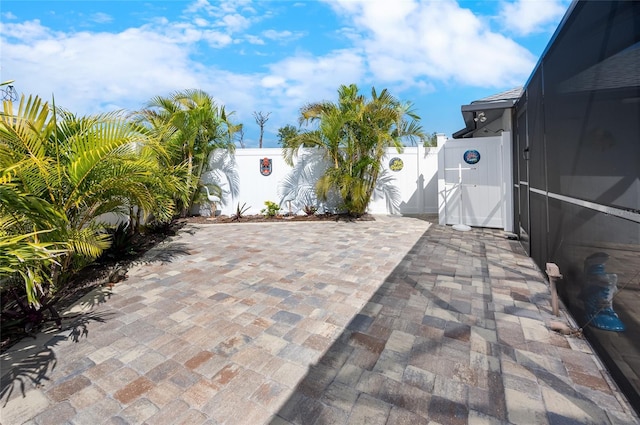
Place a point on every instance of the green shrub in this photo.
(271, 210)
(121, 241)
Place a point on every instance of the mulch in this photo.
(259, 218)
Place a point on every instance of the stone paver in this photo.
(393, 321)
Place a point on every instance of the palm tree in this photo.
(190, 125)
(79, 168)
(354, 134)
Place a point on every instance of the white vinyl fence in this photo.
(410, 186)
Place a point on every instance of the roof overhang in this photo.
(478, 114)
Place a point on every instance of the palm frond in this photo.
(354, 134)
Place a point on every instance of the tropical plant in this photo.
(190, 125)
(241, 210)
(310, 209)
(285, 133)
(122, 241)
(353, 135)
(240, 135)
(271, 209)
(431, 140)
(22, 261)
(64, 172)
(24, 257)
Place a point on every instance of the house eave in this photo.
(471, 114)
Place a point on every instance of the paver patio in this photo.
(394, 321)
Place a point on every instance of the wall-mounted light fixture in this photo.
(480, 117)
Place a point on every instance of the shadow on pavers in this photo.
(405, 357)
(26, 365)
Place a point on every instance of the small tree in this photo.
(190, 125)
(353, 135)
(261, 119)
(287, 133)
(431, 140)
(240, 135)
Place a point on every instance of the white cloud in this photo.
(201, 22)
(306, 78)
(412, 40)
(200, 5)
(406, 45)
(188, 34)
(87, 71)
(254, 39)
(101, 18)
(229, 6)
(227, 15)
(216, 39)
(281, 35)
(296, 81)
(272, 81)
(235, 22)
(524, 17)
(97, 72)
(25, 31)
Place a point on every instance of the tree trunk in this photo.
(185, 208)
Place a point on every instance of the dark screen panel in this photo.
(535, 129)
(581, 120)
(577, 236)
(521, 152)
(538, 235)
(592, 105)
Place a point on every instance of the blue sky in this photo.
(273, 56)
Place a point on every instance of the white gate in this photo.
(484, 198)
